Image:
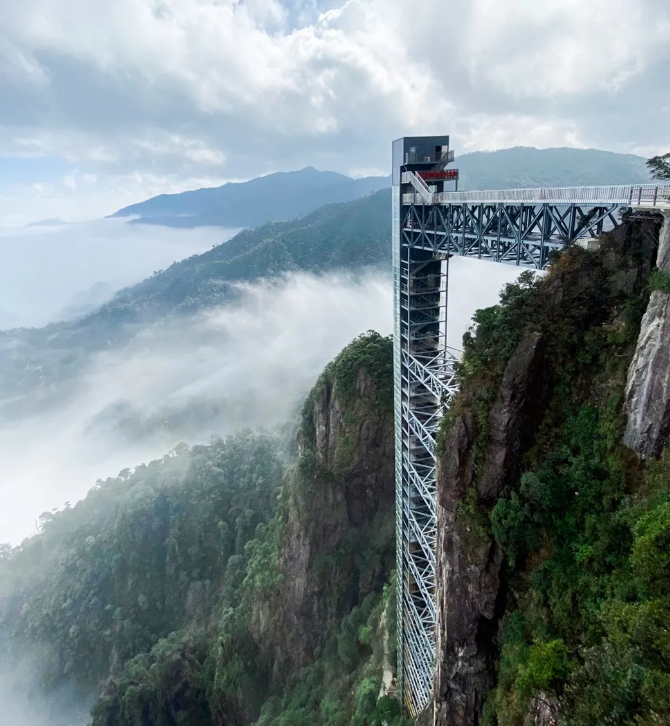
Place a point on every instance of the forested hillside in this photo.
(351, 236)
(523, 166)
(554, 536)
(243, 581)
(337, 236)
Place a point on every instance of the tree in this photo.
(659, 166)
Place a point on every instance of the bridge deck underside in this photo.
(518, 234)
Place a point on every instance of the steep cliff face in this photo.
(469, 561)
(551, 348)
(648, 387)
(336, 541)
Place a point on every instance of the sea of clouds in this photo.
(58, 271)
(247, 364)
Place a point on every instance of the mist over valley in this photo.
(242, 481)
(246, 364)
(60, 272)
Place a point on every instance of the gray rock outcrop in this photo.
(340, 495)
(648, 385)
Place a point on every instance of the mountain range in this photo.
(36, 362)
(284, 195)
(341, 235)
(287, 195)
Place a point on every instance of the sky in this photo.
(106, 104)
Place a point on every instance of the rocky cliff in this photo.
(336, 540)
(530, 459)
(469, 560)
(648, 387)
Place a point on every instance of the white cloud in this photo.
(55, 272)
(487, 132)
(564, 47)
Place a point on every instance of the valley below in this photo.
(199, 501)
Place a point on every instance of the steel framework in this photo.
(518, 227)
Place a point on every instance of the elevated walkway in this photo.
(637, 196)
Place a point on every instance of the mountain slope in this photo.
(351, 235)
(161, 592)
(523, 166)
(284, 195)
(289, 194)
(337, 236)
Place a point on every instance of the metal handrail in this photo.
(420, 185)
(635, 195)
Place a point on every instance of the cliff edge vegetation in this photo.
(554, 537)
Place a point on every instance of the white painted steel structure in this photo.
(516, 226)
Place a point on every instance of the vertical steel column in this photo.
(397, 373)
(424, 381)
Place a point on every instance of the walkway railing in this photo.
(653, 196)
(421, 187)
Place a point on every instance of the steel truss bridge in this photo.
(519, 227)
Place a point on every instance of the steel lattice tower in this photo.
(429, 225)
(424, 372)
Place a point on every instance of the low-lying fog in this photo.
(59, 271)
(22, 704)
(245, 365)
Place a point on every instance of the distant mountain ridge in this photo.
(526, 166)
(288, 195)
(279, 196)
(343, 236)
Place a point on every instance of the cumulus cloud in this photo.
(243, 365)
(222, 89)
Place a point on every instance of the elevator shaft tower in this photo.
(424, 375)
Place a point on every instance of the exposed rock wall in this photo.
(350, 484)
(468, 561)
(338, 503)
(648, 386)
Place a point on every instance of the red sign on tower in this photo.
(444, 175)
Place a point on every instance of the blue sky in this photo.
(32, 170)
(104, 104)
